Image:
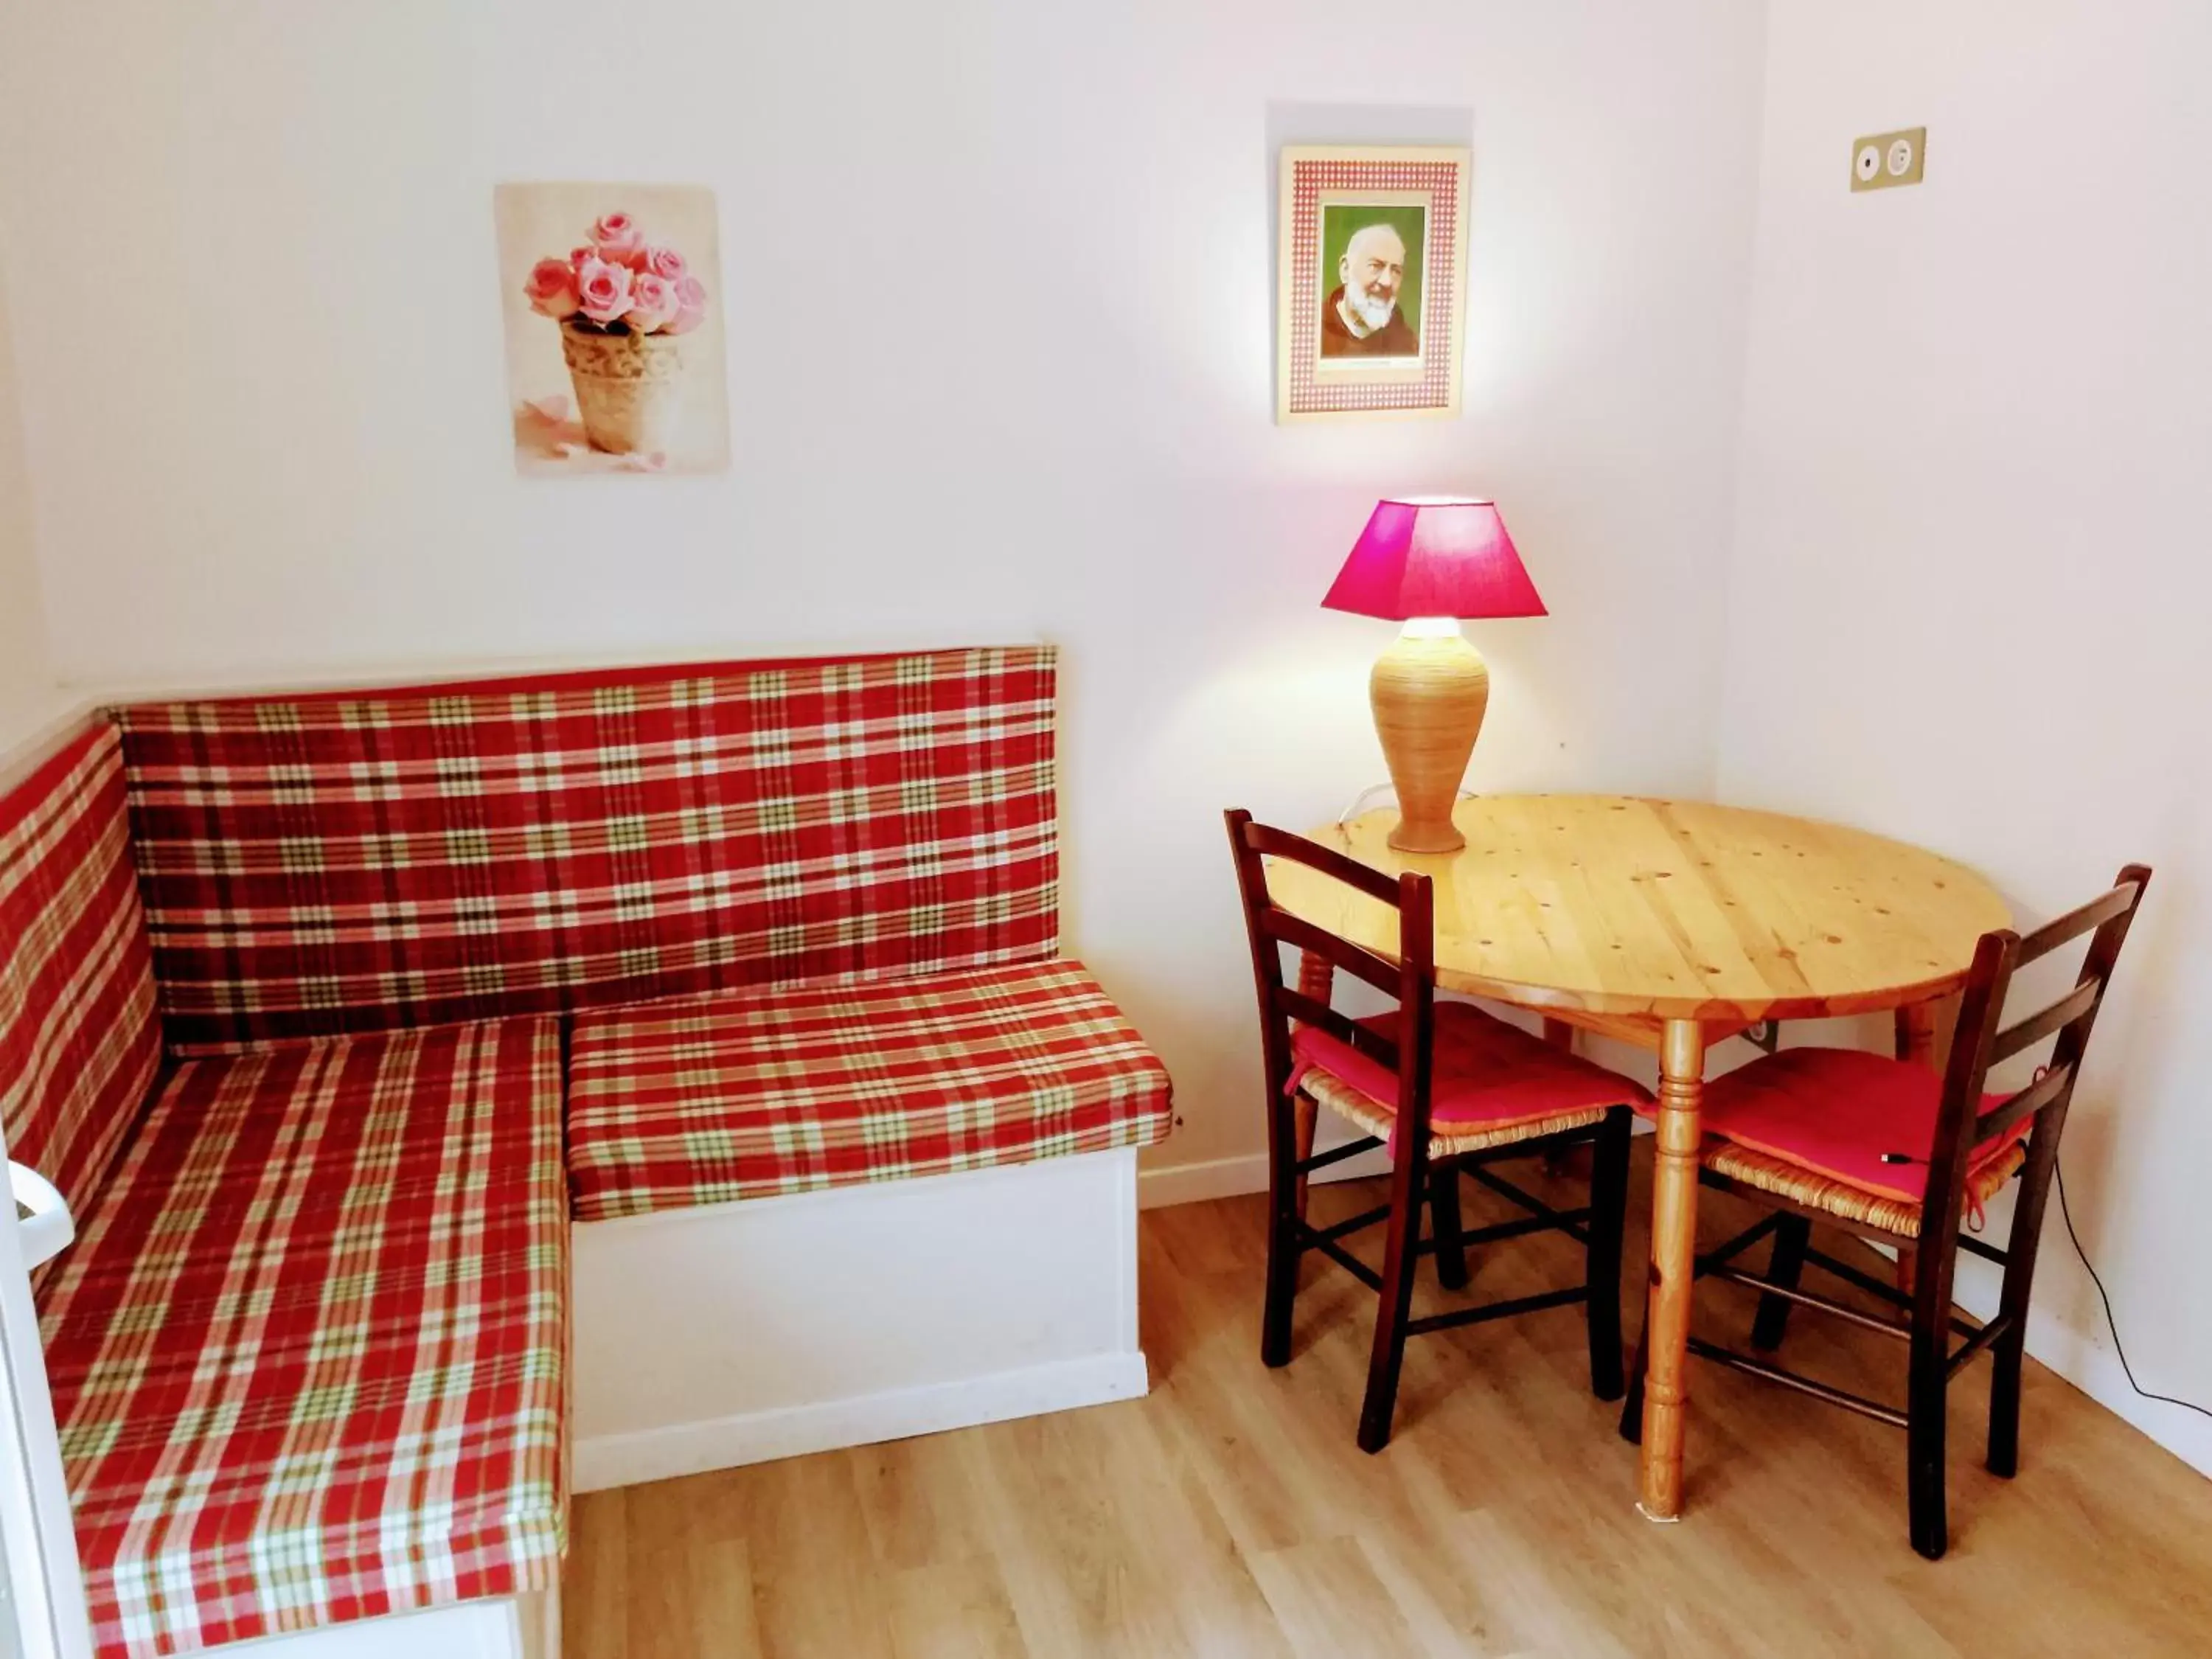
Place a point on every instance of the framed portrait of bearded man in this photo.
(1373, 282)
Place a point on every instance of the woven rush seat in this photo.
(1844, 1198)
(764, 1092)
(1492, 1083)
(1812, 1125)
(307, 1356)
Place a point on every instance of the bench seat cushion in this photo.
(308, 1355)
(753, 1094)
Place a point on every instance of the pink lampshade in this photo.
(1435, 555)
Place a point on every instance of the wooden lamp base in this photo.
(1429, 692)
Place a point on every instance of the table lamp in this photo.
(1429, 562)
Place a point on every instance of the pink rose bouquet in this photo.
(619, 241)
(552, 288)
(690, 304)
(652, 303)
(603, 290)
(617, 283)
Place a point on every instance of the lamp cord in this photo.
(1375, 789)
(2110, 1323)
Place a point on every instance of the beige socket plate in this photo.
(1888, 161)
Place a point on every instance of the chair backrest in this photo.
(1410, 980)
(1983, 1040)
(364, 860)
(80, 1035)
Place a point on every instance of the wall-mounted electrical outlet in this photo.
(1887, 159)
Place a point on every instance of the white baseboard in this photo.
(1229, 1177)
(2086, 1360)
(664, 1454)
(506, 1627)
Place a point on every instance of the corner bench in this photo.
(978, 1283)
(310, 1349)
(849, 1151)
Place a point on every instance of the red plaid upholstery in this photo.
(79, 1039)
(374, 861)
(307, 1356)
(789, 1089)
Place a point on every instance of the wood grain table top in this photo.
(1667, 909)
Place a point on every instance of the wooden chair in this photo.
(1890, 1150)
(1450, 1090)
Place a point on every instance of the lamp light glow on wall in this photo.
(1431, 562)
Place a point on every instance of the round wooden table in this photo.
(1671, 924)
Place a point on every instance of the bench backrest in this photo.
(363, 860)
(80, 1038)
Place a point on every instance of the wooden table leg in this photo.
(1917, 1024)
(1305, 1114)
(1674, 1253)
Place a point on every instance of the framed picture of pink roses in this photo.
(612, 299)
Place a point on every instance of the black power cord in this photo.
(2111, 1324)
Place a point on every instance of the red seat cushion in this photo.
(1485, 1072)
(308, 1354)
(751, 1094)
(1836, 1111)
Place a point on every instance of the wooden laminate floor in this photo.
(1229, 1512)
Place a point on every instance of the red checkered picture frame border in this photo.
(1323, 188)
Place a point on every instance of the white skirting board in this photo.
(1163, 1184)
(1231, 1177)
(732, 1334)
(511, 1627)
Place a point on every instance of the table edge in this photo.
(1704, 1009)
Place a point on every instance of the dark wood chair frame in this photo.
(1981, 1040)
(1417, 1180)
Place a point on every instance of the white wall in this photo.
(1971, 579)
(29, 697)
(264, 416)
(1031, 396)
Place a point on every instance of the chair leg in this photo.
(1784, 1267)
(1285, 1206)
(1925, 1423)
(2009, 1351)
(1631, 1402)
(1927, 1399)
(1601, 1259)
(2007, 1356)
(1407, 1186)
(1443, 1214)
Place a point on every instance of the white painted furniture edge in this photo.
(503, 1627)
(730, 1333)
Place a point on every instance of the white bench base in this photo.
(732, 1334)
(511, 1627)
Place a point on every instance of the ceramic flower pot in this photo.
(630, 387)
